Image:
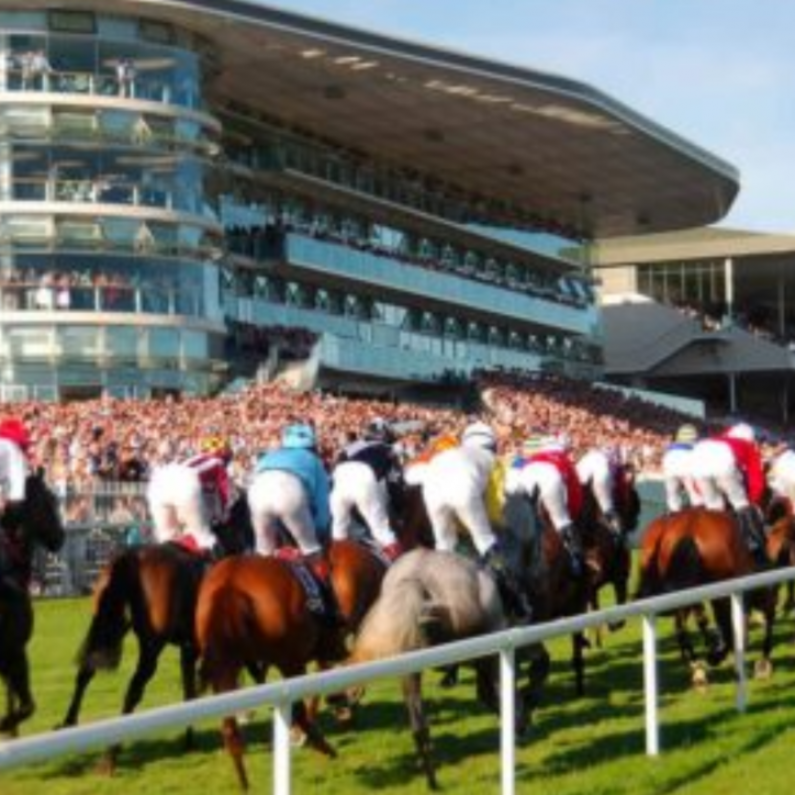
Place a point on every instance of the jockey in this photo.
(14, 469)
(187, 498)
(290, 492)
(544, 471)
(677, 467)
(454, 487)
(728, 468)
(599, 469)
(361, 479)
(782, 476)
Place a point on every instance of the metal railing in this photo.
(280, 696)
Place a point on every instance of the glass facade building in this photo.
(145, 211)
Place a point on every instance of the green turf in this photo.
(591, 745)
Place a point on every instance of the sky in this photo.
(721, 73)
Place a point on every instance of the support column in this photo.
(732, 393)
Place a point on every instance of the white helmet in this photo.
(742, 431)
(478, 434)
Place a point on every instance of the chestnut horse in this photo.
(696, 547)
(35, 522)
(253, 612)
(151, 590)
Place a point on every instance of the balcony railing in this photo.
(142, 87)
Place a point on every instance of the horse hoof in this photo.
(343, 715)
(298, 737)
(763, 669)
(699, 677)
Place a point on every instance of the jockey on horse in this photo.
(600, 468)
(677, 467)
(14, 470)
(290, 491)
(454, 485)
(728, 468)
(189, 497)
(545, 471)
(363, 473)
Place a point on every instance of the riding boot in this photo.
(753, 530)
(319, 566)
(573, 544)
(513, 595)
(393, 551)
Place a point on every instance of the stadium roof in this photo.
(548, 147)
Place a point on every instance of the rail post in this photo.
(738, 626)
(282, 774)
(650, 684)
(508, 719)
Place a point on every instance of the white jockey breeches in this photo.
(355, 486)
(177, 505)
(594, 468)
(782, 476)
(545, 480)
(277, 500)
(677, 468)
(718, 476)
(453, 493)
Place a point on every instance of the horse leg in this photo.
(314, 737)
(148, 654)
(85, 674)
(719, 642)
(764, 666)
(412, 695)
(578, 643)
(225, 680)
(19, 697)
(620, 589)
(187, 666)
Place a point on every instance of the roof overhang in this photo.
(538, 145)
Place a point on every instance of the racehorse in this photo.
(254, 612)
(607, 554)
(427, 598)
(35, 522)
(151, 589)
(694, 547)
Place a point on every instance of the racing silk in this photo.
(495, 493)
(213, 475)
(379, 456)
(13, 471)
(564, 465)
(436, 446)
(749, 462)
(309, 469)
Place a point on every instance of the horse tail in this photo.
(228, 617)
(686, 568)
(102, 647)
(398, 622)
(650, 583)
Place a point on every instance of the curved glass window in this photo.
(65, 282)
(84, 64)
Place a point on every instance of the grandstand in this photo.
(716, 307)
(174, 174)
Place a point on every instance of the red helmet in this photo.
(15, 431)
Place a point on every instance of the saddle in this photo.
(320, 599)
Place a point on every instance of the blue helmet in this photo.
(299, 436)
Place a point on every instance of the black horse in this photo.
(36, 521)
(151, 589)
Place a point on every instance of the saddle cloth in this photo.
(317, 600)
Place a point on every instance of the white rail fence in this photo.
(280, 696)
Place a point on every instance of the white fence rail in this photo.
(283, 694)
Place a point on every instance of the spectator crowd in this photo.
(82, 443)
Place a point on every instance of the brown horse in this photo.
(695, 547)
(606, 551)
(35, 522)
(151, 590)
(253, 612)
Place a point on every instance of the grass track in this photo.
(593, 745)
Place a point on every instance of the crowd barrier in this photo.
(100, 520)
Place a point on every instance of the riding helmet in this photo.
(299, 436)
